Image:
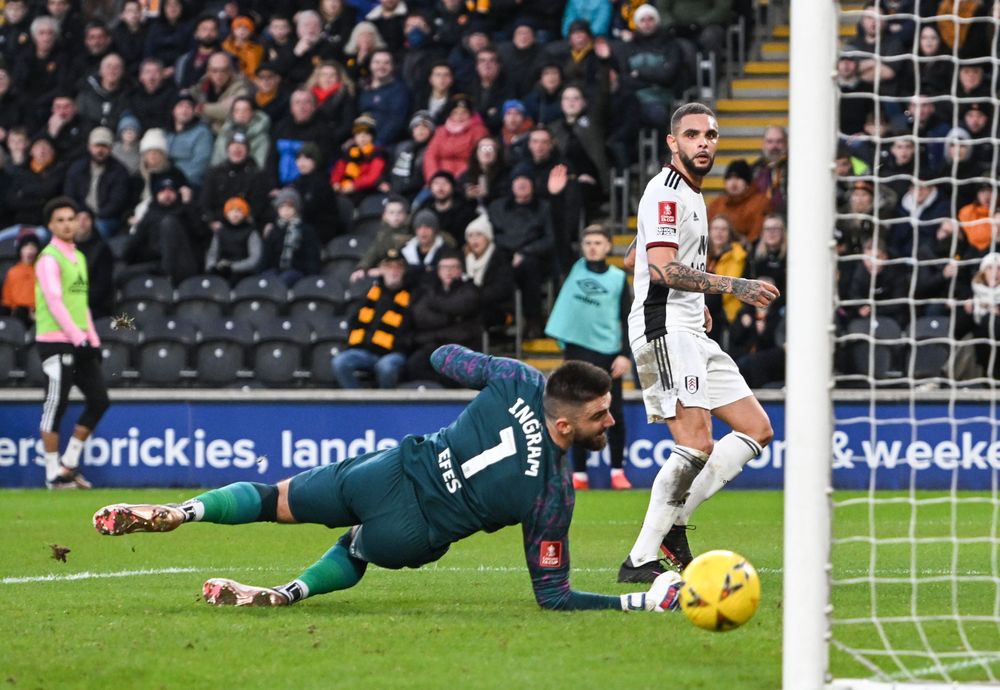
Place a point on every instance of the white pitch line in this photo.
(88, 575)
(947, 668)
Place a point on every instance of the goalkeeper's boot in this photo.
(222, 592)
(675, 547)
(122, 518)
(647, 572)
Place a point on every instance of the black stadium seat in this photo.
(119, 346)
(330, 338)
(316, 298)
(223, 350)
(11, 342)
(165, 351)
(202, 299)
(259, 298)
(284, 330)
(276, 362)
(149, 287)
(143, 311)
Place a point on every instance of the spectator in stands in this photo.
(406, 166)
(960, 167)
(386, 98)
(101, 100)
(216, 91)
(523, 227)
(580, 136)
(319, 202)
(11, 105)
(454, 213)
(898, 162)
(976, 118)
(489, 268)
(923, 118)
(34, 184)
(435, 95)
(309, 49)
(514, 133)
(291, 249)
(358, 172)
(590, 321)
(338, 18)
(702, 23)
(66, 129)
(455, 140)
(972, 39)
(421, 52)
(756, 342)
(462, 58)
(69, 26)
(852, 231)
(984, 310)
(726, 257)
(169, 36)
(741, 203)
(388, 16)
(544, 101)
(879, 48)
(129, 35)
(490, 89)
(100, 184)
(240, 45)
(334, 92)
(237, 176)
(269, 94)
(361, 46)
(235, 250)
(301, 125)
(976, 217)
(586, 61)
(18, 145)
(769, 254)
(279, 44)
(770, 171)
(935, 68)
(921, 209)
(254, 124)
(379, 329)
(151, 101)
(15, 29)
(189, 141)
(446, 310)
(125, 149)
(423, 250)
(154, 161)
(41, 70)
(165, 241)
(486, 178)
(18, 298)
(877, 282)
(954, 278)
(856, 102)
(392, 234)
(652, 67)
(190, 68)
(100, 265)
(521, 57)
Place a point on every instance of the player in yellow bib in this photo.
(67, 345)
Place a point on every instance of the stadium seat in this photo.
(202, 299)
(930, 358)
(351, 246)
(118, 348)
(33, 374)
(11, 342)
(259, 298)
(8, 248)
(372, 206)
(331, 338)
(164, 352)
(287, 330)
(884, 358)
(143, 311)
(149, 287)
(223, 350)
(316, 298)
(275, 363)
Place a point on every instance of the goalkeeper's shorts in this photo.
(372, 491)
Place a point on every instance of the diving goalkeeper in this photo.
(502, 462)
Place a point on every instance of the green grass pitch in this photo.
(468, 621)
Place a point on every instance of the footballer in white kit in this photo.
(685, 376)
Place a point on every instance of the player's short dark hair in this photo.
(574, 383)
(685, 110)
(55, 204)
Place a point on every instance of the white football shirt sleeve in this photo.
(661, 217)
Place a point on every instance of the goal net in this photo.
(901, 582)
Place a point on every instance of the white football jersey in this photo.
(671, 214)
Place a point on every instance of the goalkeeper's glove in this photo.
(663, 595)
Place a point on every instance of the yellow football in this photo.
(721, 591)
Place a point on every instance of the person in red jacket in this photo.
(454, 141)
(360, 170)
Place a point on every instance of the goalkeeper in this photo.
(502, 462)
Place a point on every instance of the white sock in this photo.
(71, 456)
(670, 489)
(580, 476)
(731, 453)
(194, 510)
(51, 466)
(615, 471)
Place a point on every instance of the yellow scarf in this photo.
(357, 156)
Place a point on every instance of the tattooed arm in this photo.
(665, 269)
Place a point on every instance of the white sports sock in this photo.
(615, 471)
(194, 510)
(51, 466)
(666, 501)
(581, 476)
(71, 456)
(731, 453)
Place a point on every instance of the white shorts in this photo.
(690, 368)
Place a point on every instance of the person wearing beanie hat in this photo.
(393, 232)
(454, 141)
(661, 60)
(287, 196)
(591, 326)
(741, 203)
(126, 147)
(521, 55)
(18, 295)
(422, 117)
(516, 128)
(453, 210)
(488, 266)
(240, 45)
(422, 250)
(406, 165)
(291, 248)
(320, 206)
(235, 249)
(189, 140)
(153, 140)
(360, 170)
(976, 217)
(981, 314)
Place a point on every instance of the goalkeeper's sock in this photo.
(51, 465)
(670, 489)
(336, 570)
(236, 504)
(731, 453)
